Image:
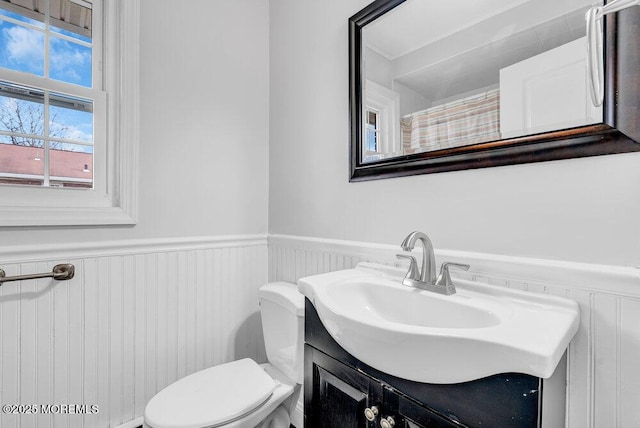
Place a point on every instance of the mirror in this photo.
(438, 86)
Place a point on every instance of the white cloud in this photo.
(72, 132)
(25, 47)
(25, 50)
(66, 59)
(9, 103)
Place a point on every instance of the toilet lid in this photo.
(211, 397)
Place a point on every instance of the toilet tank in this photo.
(282, 312)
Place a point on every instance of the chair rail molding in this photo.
(490, 268)
(25, 253)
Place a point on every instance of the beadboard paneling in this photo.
(141, 314)
(603, 358)
(136, 317)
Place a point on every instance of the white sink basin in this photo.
(427, 337)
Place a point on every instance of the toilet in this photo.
(243, 393)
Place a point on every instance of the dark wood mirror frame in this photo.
(619, 133)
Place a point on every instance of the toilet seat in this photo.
(212, 397)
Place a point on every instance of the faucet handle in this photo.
(444, 279)
(413, 272)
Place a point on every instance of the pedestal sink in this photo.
(427, 337)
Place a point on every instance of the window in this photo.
(381, 123)
(372, 132)
(68, 140)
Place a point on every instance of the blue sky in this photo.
(23, 50)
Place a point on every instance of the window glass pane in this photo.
(57, 152)
(70, 118)
(70, 62)
(71, 166)
(370, 142)
(80, 37)
(19, 17)
(22, 113)
(371, 132)
(22, 48)
(21, 164)
(72, 19)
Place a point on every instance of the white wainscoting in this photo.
(137, 316)
(141, 314)
(603, 359)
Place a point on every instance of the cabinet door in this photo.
(336, 396)
(407, 413)
(546, 92)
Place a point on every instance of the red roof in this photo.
(30, 161)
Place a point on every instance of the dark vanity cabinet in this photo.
(341, 396)
(340, 392)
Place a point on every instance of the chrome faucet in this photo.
(428, 271)
(425, 278)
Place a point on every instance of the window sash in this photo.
(47, 86)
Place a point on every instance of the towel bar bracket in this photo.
(60, 272)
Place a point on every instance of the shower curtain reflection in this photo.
(466, 121)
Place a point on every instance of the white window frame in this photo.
(113, 200)
(387, 103)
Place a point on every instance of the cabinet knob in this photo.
(370, 413)
(387, 422)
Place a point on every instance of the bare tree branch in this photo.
(27, 118)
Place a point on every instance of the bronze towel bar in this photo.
(60, 272)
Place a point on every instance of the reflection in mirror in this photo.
(438, 75)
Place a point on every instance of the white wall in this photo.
(378, 68)
(204, 125)
(178, 291)
(410, 100)
(582, 210)
(579, 210)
